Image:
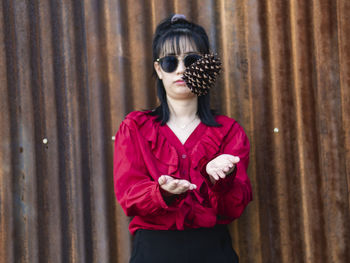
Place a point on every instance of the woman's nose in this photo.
(181, 67)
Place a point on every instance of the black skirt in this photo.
(187, 246)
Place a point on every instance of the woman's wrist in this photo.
(165, 193)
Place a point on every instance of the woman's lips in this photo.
(180, 82)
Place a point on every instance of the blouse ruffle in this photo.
(206, 148)
(162, 150)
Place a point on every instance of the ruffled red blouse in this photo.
(145, 150)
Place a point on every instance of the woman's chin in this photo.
(181, 94)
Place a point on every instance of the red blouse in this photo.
(145, 150)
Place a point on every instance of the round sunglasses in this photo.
(169, 63)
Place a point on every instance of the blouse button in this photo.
(184, 156)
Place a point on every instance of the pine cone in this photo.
(201, 75)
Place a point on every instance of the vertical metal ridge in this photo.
(148, 58)
(240, 93)
(297, 181)
(125, 38)
(14, 246)
(205, 16)
(278, 44)
(225, 76)
(328, 102)
(115, 76)
(69, 140)
(85, 124)
(302, 80)
(119, 92)
(251, 220)
(140, 41)
(6, 170)
(24, 180)
(218, 100)
(39, 126)
(185, 8)
(50, 235)
(343, 15)
(136, 39)
(98, 136)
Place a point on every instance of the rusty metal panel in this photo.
(71, 70)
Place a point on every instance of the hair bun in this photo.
(177, 17)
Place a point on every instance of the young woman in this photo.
(180, 170)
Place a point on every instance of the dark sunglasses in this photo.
(169, 63)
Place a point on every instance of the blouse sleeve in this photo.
(137, 193)
(231, 195)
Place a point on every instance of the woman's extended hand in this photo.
(175, 186)
(221, 166)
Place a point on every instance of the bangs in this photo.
(179, 42)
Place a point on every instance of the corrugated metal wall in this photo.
(71, 70)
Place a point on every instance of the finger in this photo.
(214, 176)
(223, 162)
(162, 180)
(235, 159)
(173, 184)
(183, 188)
(226, 164)
(231, 169)
(232, 158)
(183, 185)
(227, 168)
(168, 178)
(193, 186)
(221, 174)
(231, 164)
(190, 186)
(209, 166)
(212, 180)
(217, 175)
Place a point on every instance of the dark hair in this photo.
(172, 29)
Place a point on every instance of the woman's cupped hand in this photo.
(175, 186)
(221, 166)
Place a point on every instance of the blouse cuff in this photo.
(170, 200)
(157, 197)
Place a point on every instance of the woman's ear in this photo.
(158, 70)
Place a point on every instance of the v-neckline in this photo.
(175, 139)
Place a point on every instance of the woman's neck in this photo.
(182, 109)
